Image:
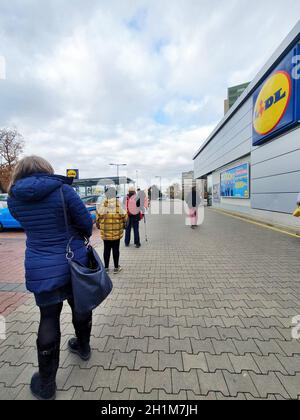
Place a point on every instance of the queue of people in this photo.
(52, 215)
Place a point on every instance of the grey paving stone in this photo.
(159, 344)
(269, 363)
(9, 393)
(152, 311)
(212, 382)
(171, 312)
(170, 361)
(216, 362)
(180, 321)
(146, 360)
(15, 340)
(148, 332)
(13, 355)
(130, 331)
(159, 321)
(107, 395)
(137, 344)
(108, 331)
(106, 379)
(211, 332)
(291, 364)
(132, 379)
(244, 363)
(225, 346)
(231, 332)
(80, 378)
(240, 383)
(268, 347)
(98, 344)
(116, 344)
(194, 361)
(247, 346)
(163, 396)
(211, 396)
(290, 348)
(185, 381)
(9, 374)
(202, 346)
(291, 385)
(169, 332)
(158, 380)
(122, 360)
(81, 395)
(136, 396)
(268, 384)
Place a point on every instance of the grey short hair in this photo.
(28, 166)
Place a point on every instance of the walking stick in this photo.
(145, 223)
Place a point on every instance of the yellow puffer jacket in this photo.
(111, 220)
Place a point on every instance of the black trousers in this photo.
(49, 330)
(113, 246)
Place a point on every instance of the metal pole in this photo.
(118, 180)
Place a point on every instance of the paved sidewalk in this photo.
(202, 314)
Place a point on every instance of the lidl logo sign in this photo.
(272, 102)
(73, 173)
(276, 101)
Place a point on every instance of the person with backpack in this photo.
(111, 220)
(133, 204)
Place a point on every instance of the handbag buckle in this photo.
(70, 255)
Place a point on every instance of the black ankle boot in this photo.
(84, 352)
(43, 383)
(81, 344)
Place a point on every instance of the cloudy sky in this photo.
(142, 82)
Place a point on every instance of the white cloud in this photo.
(135, 81)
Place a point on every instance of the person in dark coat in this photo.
(35, 201)
(193, 201)
(133, 204)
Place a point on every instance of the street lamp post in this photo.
(118, 165)
(160, 191)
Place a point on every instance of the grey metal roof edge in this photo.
(291, 38)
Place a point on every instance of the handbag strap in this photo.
(70, 253)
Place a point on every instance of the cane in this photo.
(145, 223)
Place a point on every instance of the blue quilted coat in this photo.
(36, 203)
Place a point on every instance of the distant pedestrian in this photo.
(111, 220)
(133, 204)
(35, 201)
(144, 201)
(193, 201)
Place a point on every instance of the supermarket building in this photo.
(251, 161)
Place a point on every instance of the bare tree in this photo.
(11, 147)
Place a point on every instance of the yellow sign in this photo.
(72, 173)
(272, 102)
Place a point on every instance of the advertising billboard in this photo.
(276, 101)
(235, 182)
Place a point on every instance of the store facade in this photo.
(253, 156)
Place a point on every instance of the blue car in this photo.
(6, 219)
(8, 222)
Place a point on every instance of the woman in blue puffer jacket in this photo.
(35, 201)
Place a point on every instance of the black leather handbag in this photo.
(91, 284)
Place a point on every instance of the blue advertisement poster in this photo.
(235, 182)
